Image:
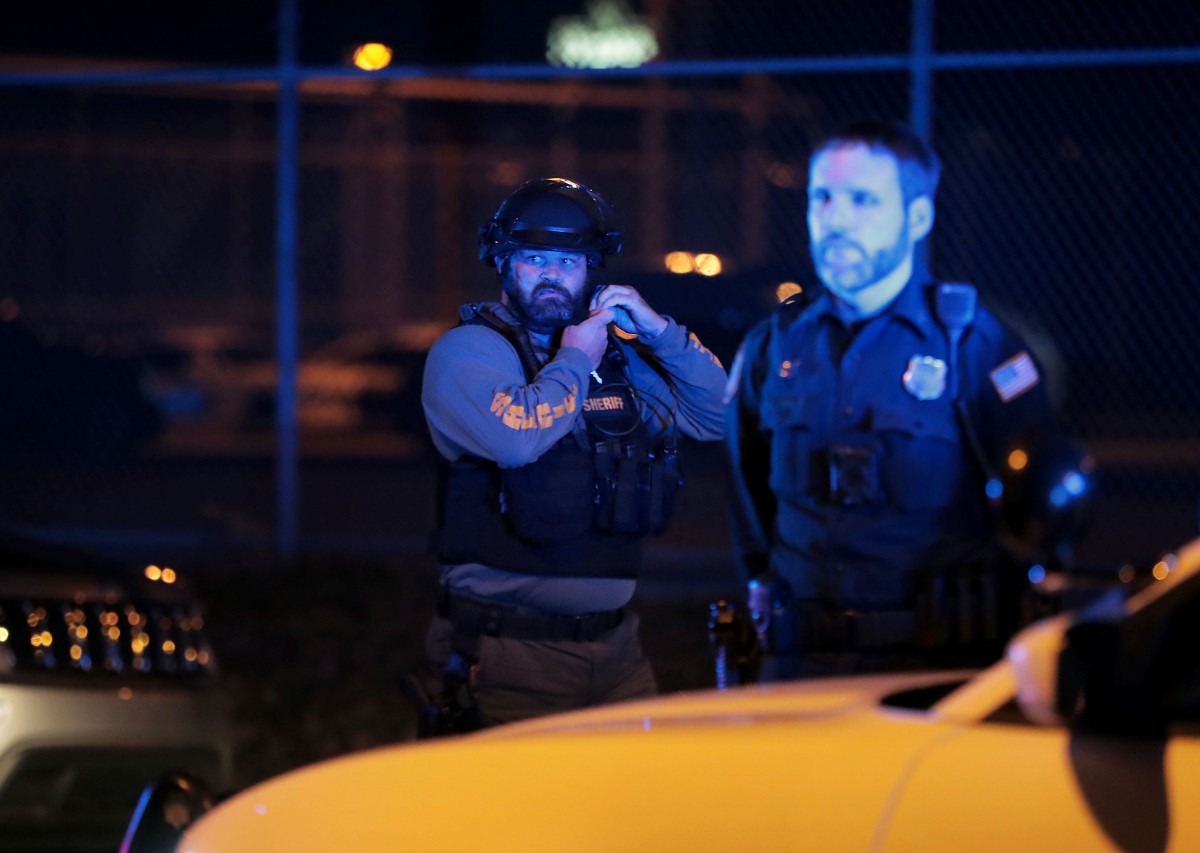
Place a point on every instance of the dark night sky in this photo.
(464, 32)
(243, 32)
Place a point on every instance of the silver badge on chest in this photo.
(925, 377)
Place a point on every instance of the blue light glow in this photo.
(1037, 573)
(1075, 483)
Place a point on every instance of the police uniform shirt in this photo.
(871, 476)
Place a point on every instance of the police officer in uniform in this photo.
(865, 426)
(557, 410)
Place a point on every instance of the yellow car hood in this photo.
(690, 771)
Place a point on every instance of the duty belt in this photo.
(471, 616)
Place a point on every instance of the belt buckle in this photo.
(562, 628)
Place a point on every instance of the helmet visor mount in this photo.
(554, 214)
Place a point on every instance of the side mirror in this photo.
(1118, 666)
(168, 806)
(1033, 656)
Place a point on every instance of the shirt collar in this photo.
(910, 306)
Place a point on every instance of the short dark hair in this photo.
(919, 166)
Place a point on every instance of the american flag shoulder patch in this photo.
(1014, 377)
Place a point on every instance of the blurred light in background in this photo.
(786, 290)
(682, 263)
(784, 176)
(372, 56)
(679, 262)
(506, 173)
(708, 264)
(608, 36)
(1018, 459)
(154, 573)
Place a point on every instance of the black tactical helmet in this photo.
(1046, 497)
(552, 213)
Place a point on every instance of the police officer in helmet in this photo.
(557, 412)
(865, 425)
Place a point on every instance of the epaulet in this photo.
(480, 313)
(791, 307)
(756, 344)
(467, 313)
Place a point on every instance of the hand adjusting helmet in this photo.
(552, 213)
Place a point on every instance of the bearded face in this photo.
(847, 266)
(860, 226)
(547, 290)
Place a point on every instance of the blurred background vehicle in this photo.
(366, 381)
(220, 380)
(206, 373)
(107, 680)
(67, 397)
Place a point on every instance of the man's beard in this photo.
(870, 269)
(541, 313)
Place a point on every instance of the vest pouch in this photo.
(665, 479)
(636, 490)
(553, 500)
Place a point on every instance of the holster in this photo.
(737, 653)
(452, 710)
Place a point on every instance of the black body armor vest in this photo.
(582, 508)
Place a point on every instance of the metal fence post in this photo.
(286, 202)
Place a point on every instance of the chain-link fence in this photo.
(139, 244)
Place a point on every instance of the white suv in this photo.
(107, 681)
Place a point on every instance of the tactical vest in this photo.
(580, 509)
